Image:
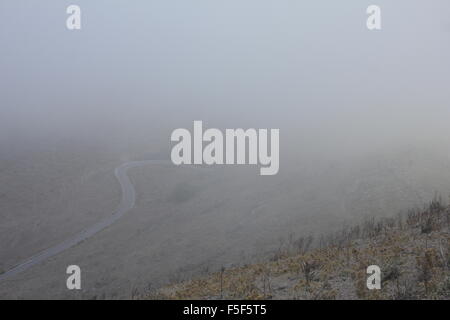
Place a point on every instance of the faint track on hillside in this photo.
(127, 202)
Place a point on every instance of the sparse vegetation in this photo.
(412, 252)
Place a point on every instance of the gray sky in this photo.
(143, 68)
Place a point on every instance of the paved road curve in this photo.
(126, 203)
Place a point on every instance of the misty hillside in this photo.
(412, 250)
(88, 175)
(188, 222)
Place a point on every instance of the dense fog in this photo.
(363, 118)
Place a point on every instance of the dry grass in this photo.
(412, 252)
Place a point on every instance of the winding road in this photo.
(126, 203)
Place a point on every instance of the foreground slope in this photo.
(412, 250)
